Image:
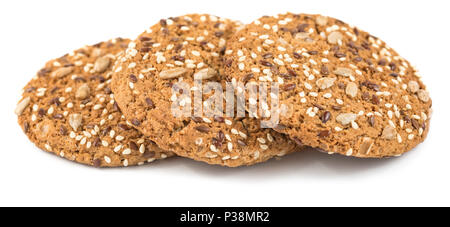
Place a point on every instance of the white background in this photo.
(33, 32)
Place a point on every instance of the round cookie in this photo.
(348, 92)
(175, 50)
(68, 109)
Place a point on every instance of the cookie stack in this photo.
(114, 103)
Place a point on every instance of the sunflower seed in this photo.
(205, 74)
(351, 89)
(61, 72)
(389, 133)
(366, 145)
(83, 92)
(423, 95)
(22, 105)
(413, 86)
(101, 64)
(172, 73)
(325, 82)
(343, 72)
(346, 118)
(75, 121)
(335, 37)
(322, 20)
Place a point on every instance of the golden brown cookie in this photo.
(174, 50)
(68, 109)
(348, 92)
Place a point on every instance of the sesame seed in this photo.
(97, 107)
(424, 116)
(132, 65)
(308, 86)
(87, 134)
(278, 61)
(256, 154)
(51, 110)
(280, 48)
(230, 146)
(269, 42)
(142, 149)
(126, 151)
(117, 148)
(349, 152)
(261, 140)
(269, 137)
(391, 123)
(399, 138)
(195, 53)
(209, 155)
(241, 66)
(256, 70)
(390, 114)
